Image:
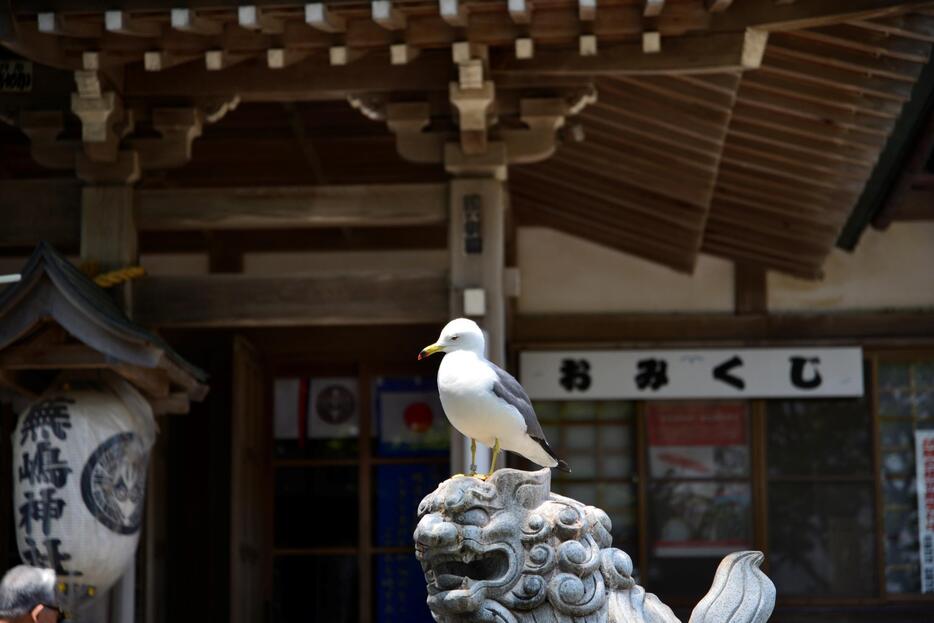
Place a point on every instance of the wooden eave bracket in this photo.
(43, 128)
(543, 116)
(408, 120)
(178, 127)
(473, 108)
(491, 163)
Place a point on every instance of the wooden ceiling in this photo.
(762, 167)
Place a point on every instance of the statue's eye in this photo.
(475, 516)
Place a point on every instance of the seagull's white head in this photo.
(459, 334)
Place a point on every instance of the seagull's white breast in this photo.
(465, 384)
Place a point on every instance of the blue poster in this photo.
(400, 583)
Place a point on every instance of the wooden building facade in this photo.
(314, 189)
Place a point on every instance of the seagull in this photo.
(484, 402)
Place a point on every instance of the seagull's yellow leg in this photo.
(493, 459)
(473, 461)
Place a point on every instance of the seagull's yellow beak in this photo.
(428, 351)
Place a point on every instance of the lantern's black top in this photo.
(52, 288)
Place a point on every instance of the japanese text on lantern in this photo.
(41, 508)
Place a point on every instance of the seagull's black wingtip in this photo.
(563, 466)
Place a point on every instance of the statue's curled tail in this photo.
(740, 592)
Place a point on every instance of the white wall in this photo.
(563, 273)
(888, 270)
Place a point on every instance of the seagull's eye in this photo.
(454, 338)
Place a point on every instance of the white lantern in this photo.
(80, 456)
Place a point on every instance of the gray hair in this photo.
(23, 588)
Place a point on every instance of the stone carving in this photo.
(507, 550)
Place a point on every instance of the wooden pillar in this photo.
(109, 239)
(476, 243)
(750, 291)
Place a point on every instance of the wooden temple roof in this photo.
(693, 148)
(52, 293)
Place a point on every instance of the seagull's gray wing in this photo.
(507, 388)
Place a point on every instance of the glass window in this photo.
(301, 491)
(596, 439)
(821, 509)
(700, 498)
(319, 450)
(315, 589)
(906, 397)
(822, 538)
(819, 437)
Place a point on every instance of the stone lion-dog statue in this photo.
(507, 550)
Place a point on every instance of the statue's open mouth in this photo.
(453, 572)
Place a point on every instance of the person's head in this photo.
(27, 595)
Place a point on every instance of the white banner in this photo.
(924, 462)
(714, 373)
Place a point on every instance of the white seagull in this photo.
(484, 402)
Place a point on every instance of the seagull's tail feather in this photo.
(563, 466)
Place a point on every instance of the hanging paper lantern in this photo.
(80, 456)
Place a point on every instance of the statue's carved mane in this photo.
(508, 550)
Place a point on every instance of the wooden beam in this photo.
(586, 10)
(318, 16)
(312, 79)
(186, 20)
(770, 15)
(370, 297)
(216, 60)
(386, 15)
(453, 12)
(173, 404)
(252, 17)
(57, 24)
(120, 22)
(716, 6)
(651, 42)
(53, 357)
(750, 294)
(161, 60)
(290, 207)
(652, 8)
(680, 55)
(152, 381)
(559, 330)
(402, 53)
(279, 58)
(520, 11)
(277, 218)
